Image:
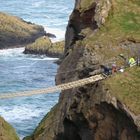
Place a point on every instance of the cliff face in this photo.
(97, 32)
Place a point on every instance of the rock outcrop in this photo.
(44, 46)
(15, 31)
(6, 131)
(97, 32)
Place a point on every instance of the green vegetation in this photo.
(14, 30)
(126, 87)
(130, 22)
(122, 24)
(43, 45)
(6, 131)
(57, 47)
(40, 44)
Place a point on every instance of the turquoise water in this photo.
(19, 72)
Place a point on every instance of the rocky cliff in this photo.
(6, 131)
(15, 31)
(97, 32)
(44, 46)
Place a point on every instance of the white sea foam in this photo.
(37, 4)
(18, 52)
(19, 113)
(59, 33)
(9, 52)
(40, 58)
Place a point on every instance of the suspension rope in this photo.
(60, 87)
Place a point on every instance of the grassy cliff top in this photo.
(13, 25)
(6, 131)
(126, 87)
(14, 29)
(42, 43)
(122, 23)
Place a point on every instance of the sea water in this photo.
(19, 72)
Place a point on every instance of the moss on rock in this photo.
(40, 45)
(43, 45)
(6, 131)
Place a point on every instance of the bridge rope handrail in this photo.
(52, 89)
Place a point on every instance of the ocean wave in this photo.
(59, 33)
(40, 58)
(37, 4)
(19, 113)
(17, 53)
(11, 52)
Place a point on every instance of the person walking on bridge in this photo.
(132, 62)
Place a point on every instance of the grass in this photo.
(126, 87)
(44, 44)
(123, 23)
(130, 22)
(40, 44)
(57, 47)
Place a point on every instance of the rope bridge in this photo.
(61, 87)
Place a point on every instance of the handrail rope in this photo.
(52, 89)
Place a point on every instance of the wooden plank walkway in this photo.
(53, 89)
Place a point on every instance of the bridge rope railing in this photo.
(52, 89)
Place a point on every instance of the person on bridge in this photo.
(106, 70)
(132, 62)
(114, 68)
